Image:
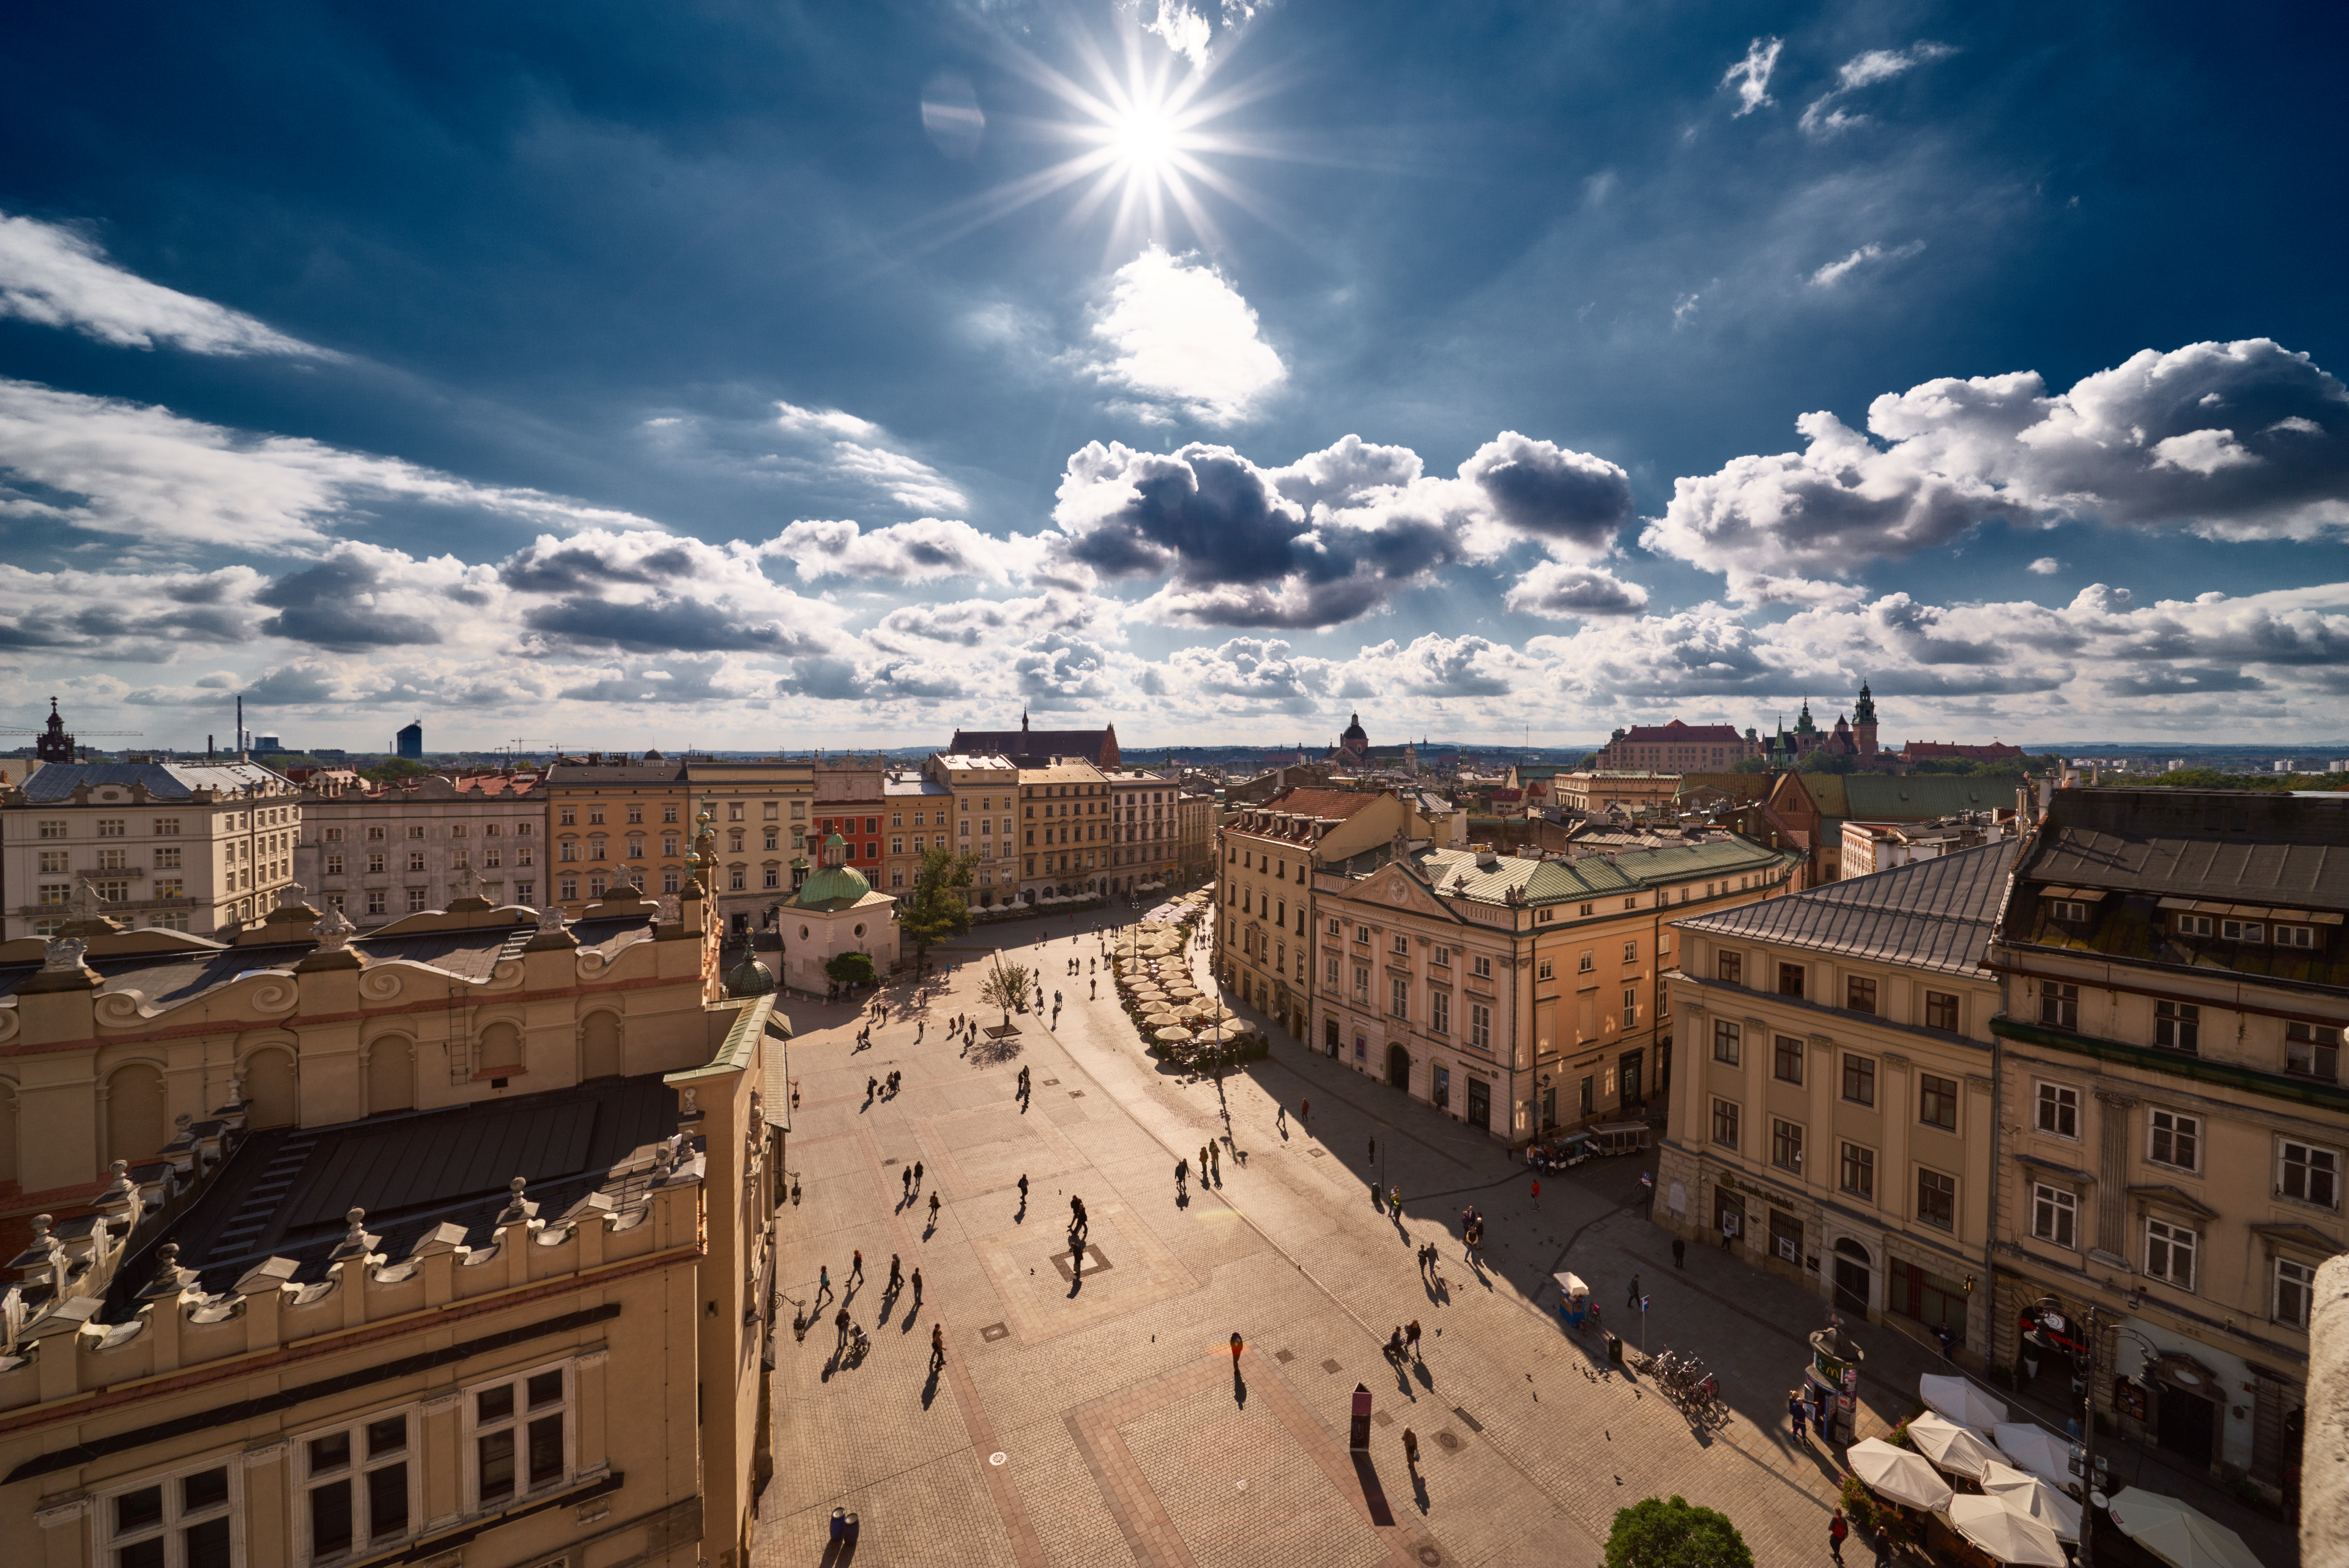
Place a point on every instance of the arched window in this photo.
(501, 1047)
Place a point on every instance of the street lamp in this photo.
(2083, 1360)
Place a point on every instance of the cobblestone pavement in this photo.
(1101, 1416)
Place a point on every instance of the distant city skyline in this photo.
(851, 375)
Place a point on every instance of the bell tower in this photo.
(1863, 722)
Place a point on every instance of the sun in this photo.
(1146, 137)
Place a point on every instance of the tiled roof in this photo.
(1933, 914)
(1677, 733)
(164, 781)
(1878, 798)
(1319, 803)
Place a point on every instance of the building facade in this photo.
(2177, 985)
(1194, 854)
(1676, 748)
(521, 1368)
(380, 854)
(1591, 793)
(1035, 748)
(1833, 1114)
(1264, 931)
(984, 790)
(614, 823)
(1145, 830)
(760, 812)
(183, 847)
(1516, 995)
(1064, 829)
(849, 800)
(921, 818)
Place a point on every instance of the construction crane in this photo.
(516, 743)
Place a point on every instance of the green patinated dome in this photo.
(749, 977)
(835, 881)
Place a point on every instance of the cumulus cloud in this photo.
(2202, 438)
(1751, 75)
(1825, 116)
(58, 277)
(919, 552)
(137, 469)
(1553, 588)
(654, 592)
(2046, 567)
(1180, 338)
(101, 611)
(1835, 271)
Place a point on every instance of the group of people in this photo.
(885, 1088)
(1403, 1346)
(853, 1342)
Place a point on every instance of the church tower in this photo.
(1863, 722)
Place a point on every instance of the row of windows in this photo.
(2311, 1050)
(1936, 1096)
(2304, 1172)
(492, 860)
(2171, 1251)
(376, 832)
(356, 1488)
(1859, 992)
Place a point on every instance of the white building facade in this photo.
(378, 855)
(196, 848)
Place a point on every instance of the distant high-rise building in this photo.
(409, 743)
(267, 744)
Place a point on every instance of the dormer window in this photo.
(2243, 930)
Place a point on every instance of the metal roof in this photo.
(2214, 843)
(163, 781)
(1932, 913)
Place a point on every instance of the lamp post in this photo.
(2084, 1361)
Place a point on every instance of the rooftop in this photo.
(54, 783)
(1933, 914)
(1677, 733)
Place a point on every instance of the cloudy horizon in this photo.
(1219, 370)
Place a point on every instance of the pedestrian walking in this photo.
(1633, 1304)
(1394, 1203)
(840, 1322)
(1215, 1164)
(871, 1085)
(1411, 1450)
(1304, 1111)
(856, 1270)
(917, 1173)
(1372, 1157)
(1837, 1532)
(1181, 1175)
(905, 1182)
(1537, 1193)
(823, 1282)
(1680, 1253)
(1203, 1162)
(1799, 1414)
(1280, 1120)
(1947, 1338)
(934, 1208)
(938, 1346)
(1411, 1337)
(1728, 1227)
(896, 1276)
(1023, 1189)
(917, 1287)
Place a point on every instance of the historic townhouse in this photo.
(1145, 832)
(759, 813)
(1476, 980)
(982, 788)
(849, 800)
(1194, 854)
(614, 823)
(177, 846)
(378, 855)
(1064, 821)
(1263, 934)
(1833, 1110)
(2177, 987)
(915, 798)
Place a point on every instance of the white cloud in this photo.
(1181, 338)
(1183, 31)
(2046, 567)
(53, 275)
(2137, 445)
(1752, 76)
(1822, 118)
(139, 471)
(1684, 308)
(1835, 271)
(921, 551)
(825, 421)
(1553, 588)
(859, 451)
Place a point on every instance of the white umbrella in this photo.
(2007, 1536)
(1960, 1401)
(2036, 1450)
(2178, 1532)
(1897, 1473)
(2027, 1493)
(1170, 1035)
(1957, 1450)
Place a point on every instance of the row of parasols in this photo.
(1154, 983)
(2022, 1514)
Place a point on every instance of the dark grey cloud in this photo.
(327, 605)
(663, 624)
(1543, 490)
(2182, 680)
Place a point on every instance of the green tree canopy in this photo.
(1006, 986)
(1657, 1534)
(852, 969)
(391, 770)
(935, 908)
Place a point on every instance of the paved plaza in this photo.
(1100, 1417)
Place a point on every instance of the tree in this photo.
(935, 908)
(1006, 986)
(851, 968)
(394, 770)
(1750, 765)
(1674, 1534)
(1825, 762)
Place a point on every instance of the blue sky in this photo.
(835, 375)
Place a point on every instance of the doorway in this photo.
(1480, 1103)
(1399, 1068)
(1852, 1278)
(1628, 1076)
(2184, 1424)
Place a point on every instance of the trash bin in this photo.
(1614, 1347)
